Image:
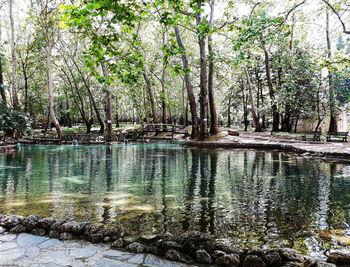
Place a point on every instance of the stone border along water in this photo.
(8, 148)
(275, 146)
(189, 247)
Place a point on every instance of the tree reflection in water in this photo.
(249, 198)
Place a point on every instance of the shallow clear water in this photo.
(242, 197)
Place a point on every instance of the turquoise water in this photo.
(242, 197)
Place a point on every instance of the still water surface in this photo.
(242, 197)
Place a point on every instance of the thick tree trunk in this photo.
(117, 125)
(333, 125)
(229, 113)
(213, 118)
(203, 83)
(150, 96)
(275, 115)
(249, 85)
(50, 85)
(14, 62)
(191, 97)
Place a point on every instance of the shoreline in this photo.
(189, 248)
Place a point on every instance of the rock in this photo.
(114, 232)
(31, 222)
(38, 231)
(12, 221)
(339, 258)
(230, 250)
(253, 261)
(46, 223)
(218, 253)
(153, 250)
(170, 245)
(90, 229)
(66, 236)
(291, 255)
(2, 218)
(72, 227)
(231, 260)
(56, 225)
(54, 234)
(19, 228)
(197, 240)
(135, 247)
(107, 239)
(203, 257)
(119, 243)
(175, 255)
(166, 236)
(257, 252)
(273, 259)
(2, 230)
(96, 238)
(325, 264)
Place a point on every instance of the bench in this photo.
(342, 135)
(313, 136)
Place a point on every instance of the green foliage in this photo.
(11, 120)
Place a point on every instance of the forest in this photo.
(204, 64)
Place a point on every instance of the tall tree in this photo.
(15, 102)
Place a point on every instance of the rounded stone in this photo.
(203, 257)
(135, 247)
(253, 261)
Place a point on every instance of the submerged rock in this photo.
(175, 255)
(339, 258)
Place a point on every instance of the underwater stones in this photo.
(38, 231)
(136, 247)
(231, 260)
(339, 258)
(19, 228)
(253, 261)
(273, 259)
(12, 221)
(203, 257)
(46, 223)
(31, 222)
(175, 255)
(119, 243)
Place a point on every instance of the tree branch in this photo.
(338, 15)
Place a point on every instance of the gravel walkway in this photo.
(30, 250)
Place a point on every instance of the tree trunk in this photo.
(163, 89)
(108, 106)
(117, 125)
(275, 115)
(97, 112)
(333, 125)
(50, 85)
(2, 88)
(229, 113)
(213, 118)
(190, 95)
(150, 96)
(14, 62)
(203, 83)
(249, 85)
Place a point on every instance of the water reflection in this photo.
(249, 198)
